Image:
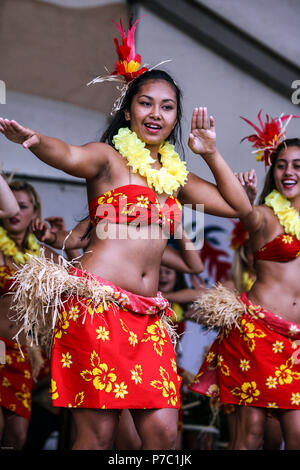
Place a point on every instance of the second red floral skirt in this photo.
(15, 379)
(119, 356)
(256, 364)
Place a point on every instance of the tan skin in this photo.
(8, 203)
(273, 278)
(186, 260)
(13, 428)
(105, 169)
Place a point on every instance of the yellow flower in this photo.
(247, 393)
(278, 347)
(79, 399)
(24, 396)
(156, 334)
(9, 248)
(249, 332)
(120, 390)
(168, 388)
(285, 373)
(53, 390)
(271, 382)
(66, 360)
(272, 405)
(210, 356)
(101, 376)
(143, 201)
(295, 398)
(136, 374)
(133, 339)
(173, 172)
(74, 313)
(244, 365)
(61, 324)
(27, 374)
(6, 382)
(287, 215)
(174, 365)
(103, 334)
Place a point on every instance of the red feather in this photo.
(271, 133)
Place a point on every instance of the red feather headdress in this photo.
(128, 66)
(268, 136)
(238, 235)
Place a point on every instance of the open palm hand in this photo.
(18, 134)
(202, 139)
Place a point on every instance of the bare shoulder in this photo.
(98, 149)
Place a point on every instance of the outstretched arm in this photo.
(82, 161)
(8, 203)
(226, 198)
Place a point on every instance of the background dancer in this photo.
(255, 365)
(16, 242)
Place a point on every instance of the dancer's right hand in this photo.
(18, 134)
(248, 180)
(43, 231)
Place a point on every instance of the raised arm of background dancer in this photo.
(57, 225)
(226, 198)
(82, 161)
(69, 239)
(186, 260)
(8, 203)
(188, 295)
(254, 220)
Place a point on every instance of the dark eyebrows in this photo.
(164, 101)
(284, 160)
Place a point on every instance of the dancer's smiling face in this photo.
(153, 112)
(287, 172)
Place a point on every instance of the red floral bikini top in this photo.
(282, 249)
(6, 280)
(136, 204)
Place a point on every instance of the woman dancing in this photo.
(254, 362)
(121, 356)
(16, 243)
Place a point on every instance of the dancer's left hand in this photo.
(202, 139)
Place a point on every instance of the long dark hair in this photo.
(119, 120)
(269, 180)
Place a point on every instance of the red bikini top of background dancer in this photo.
(138, 204)
(282, 249)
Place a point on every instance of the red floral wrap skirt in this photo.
(15, 379)
(256, 364)
(119, 357)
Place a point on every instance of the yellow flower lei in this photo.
(9, 248)
(288, 216)
(173, 172)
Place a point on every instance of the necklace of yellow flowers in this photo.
(9, 248)
(288, 216)
(169, 178)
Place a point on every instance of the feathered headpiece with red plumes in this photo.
(268, 137)
(129, 65)
(238, 235)
(129, 62)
